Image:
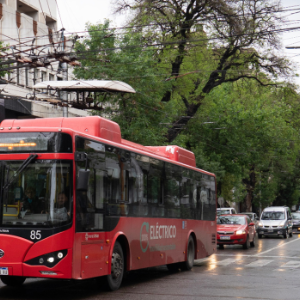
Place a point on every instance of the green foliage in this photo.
(245, 133)
(237, 130)
(2, 73)
(123, 59)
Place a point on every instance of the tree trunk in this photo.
(250, 185)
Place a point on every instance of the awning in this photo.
(86, 85)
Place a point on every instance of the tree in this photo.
(247, 120)
(107, 55)
(241, 36)
(249, 133)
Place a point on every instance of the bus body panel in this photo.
(15, 249)
(56, 242)
(93, 250)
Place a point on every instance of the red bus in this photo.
(79, 202)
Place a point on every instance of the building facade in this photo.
(28, 29)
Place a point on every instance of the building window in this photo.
(26, 77)
(44, 76)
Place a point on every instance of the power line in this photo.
(59, 13)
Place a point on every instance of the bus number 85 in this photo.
(35, 235)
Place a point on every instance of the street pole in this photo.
(64, 95)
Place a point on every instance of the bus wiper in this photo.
(26, 162)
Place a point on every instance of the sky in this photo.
(74, 14)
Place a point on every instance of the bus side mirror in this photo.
(83, 180)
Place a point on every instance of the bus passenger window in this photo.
(171, 191)
(114, 175)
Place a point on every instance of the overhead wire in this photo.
(59, 13)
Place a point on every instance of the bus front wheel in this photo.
(13, 280)
(188, 264)
(114, 280)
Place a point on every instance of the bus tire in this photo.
(13, 280)
(114, 280)
(188, 264)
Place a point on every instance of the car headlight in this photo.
(260, 224)
(281, 224)
(238, 232)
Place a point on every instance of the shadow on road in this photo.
(64, 290)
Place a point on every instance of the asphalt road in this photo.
(271, 270)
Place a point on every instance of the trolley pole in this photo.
(64, 95)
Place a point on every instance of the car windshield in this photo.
(40, 194)
(296, 216)
(232, 220)
(273, 215)
(223, 212)
(248, 214)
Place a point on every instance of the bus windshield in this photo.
(40, 194)
(35, 142)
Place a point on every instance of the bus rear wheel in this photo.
(114, 280)
(13, 280)
(188, 264)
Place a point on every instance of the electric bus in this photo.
(126, 206)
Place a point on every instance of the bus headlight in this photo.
(49, 259)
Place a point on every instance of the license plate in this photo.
(224, 237)
(270, 230)
(3, 271)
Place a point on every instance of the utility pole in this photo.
(64, 95)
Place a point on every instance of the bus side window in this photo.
(208, 198)
(213, 206)
(141, 165)
(171, 191)
(135, 185)
(187, 190)
(90, 205)
(112, 165)
(155, 188)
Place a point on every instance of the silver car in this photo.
(275, 221)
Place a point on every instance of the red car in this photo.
(235, 230)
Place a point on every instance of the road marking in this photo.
(226, 262)
(264, 256)
(276, 247)
(291, 264)
(202, 259)
(259, 263)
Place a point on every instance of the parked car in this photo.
(225, 210)
(275, 221)
(296, 220)
(253, 217)
(234, 229)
